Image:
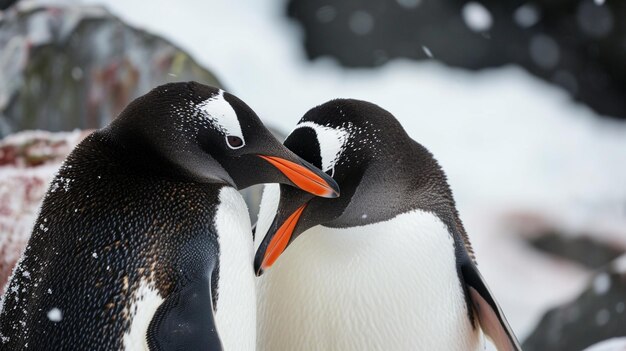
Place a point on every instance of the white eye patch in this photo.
(332, 142)
(222, 116)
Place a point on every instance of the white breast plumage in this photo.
(235, 317)
(391, 285)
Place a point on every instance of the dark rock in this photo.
(593, 245)
(76, 67)
(598, 314)
(580, 248)
(579, 45)
(5, 4)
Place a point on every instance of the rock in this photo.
(582, 249)
(594, 245)
(5, 4)
(66, 67)
(598, 314)
(579, 45)
(28, 162)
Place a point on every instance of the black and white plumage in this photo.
(142, 241)
(386, 266)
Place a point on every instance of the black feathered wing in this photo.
(486, 309)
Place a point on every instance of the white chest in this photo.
(386, 286)
(235, 317)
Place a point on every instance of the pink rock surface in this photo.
(28, 162)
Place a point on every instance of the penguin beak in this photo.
(277, 240)
(305, 176)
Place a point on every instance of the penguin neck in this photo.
(396, 184)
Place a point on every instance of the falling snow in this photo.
(55, 315)
(361, 22)
(602, 317)
(526, 15)
(619, 265)
(477, 17)
(427, 51)
(326, 14)
(544, 51)
(409, 4)
(601, 284)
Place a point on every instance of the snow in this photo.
(602, 317)
(409, 4)
(476, 17)
(55, 315)
(615, 344)
(526, 15)
(77, 73)
(361, 22)
(508, 141)
(595, 20)
(619, 265)
(601, 284)
(427, 51)
(544, 51)
(326, 13)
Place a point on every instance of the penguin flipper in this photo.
(486, 309)
(185, 321)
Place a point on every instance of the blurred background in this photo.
(522, 102)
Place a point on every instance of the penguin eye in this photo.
(234, 142)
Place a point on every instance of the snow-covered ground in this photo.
(616, 344)
(508, 141)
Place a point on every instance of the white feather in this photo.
(146, 300)
(331, 141)
(267, 211)
(222, 115)
(235, 317)
(391, 285)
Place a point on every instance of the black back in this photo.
(106, 225)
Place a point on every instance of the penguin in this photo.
(142, 241)
(386, 266)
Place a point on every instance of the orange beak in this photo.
(281, 239)
(305, 177)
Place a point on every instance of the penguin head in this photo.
(374, 161)
(196, 132)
